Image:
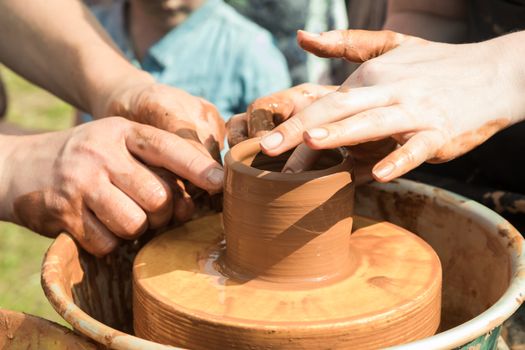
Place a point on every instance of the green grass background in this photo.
(21, 251)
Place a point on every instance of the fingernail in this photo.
(288, 171)
(317, 133)
(315, 35)
(216, 176)
(385, 170)
(272, 140)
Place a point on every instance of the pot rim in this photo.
(251, 147)
(513, 297)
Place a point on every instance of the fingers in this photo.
(415, 151)
(146, 188)
(143, 186)
(209, 146)
(267, 112)
(117, 211)
(367, 154)
(260, 122)
(162, 149)
(374, 124)
(215, 124)
(330, 108)
(93, 236)
(237, 129)
(182, 206)
(353, 45)
(302, 159)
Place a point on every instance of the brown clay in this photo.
(287, 227)
(290, 276)
(22, 331)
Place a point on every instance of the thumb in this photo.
(353, 45)
(302, 159)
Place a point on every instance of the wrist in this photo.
(509, 51)
(111, 96)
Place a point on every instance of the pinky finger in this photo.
(419, 148)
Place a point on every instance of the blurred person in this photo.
(284, 17)
(201, 46)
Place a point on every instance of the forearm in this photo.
(508, 51)
(444, 21)
(58, 45)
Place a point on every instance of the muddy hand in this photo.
(169, 109)
(173, 110)
(93, 181)
(436, 100)
(267, 112)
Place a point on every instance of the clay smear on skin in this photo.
(469, 140)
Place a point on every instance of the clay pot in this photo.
(22, 331)
(481, 253)
(290, 274)
(287, 228)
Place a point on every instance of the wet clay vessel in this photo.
(22, 331)
(282, 270)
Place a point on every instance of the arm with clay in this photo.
(96, 181)
(76, 60)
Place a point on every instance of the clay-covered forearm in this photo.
(59, 46)
(442, 21)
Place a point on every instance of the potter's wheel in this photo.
(181, 298)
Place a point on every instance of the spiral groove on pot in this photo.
(287, 227)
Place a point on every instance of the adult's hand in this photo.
(265, 113)
(167, 108)
(193, 119)
(93, 181)
(436, 100)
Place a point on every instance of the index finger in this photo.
(162, 149)
(353, 44)
(267, 112)
(330, 108)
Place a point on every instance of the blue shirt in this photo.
(215, 53)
